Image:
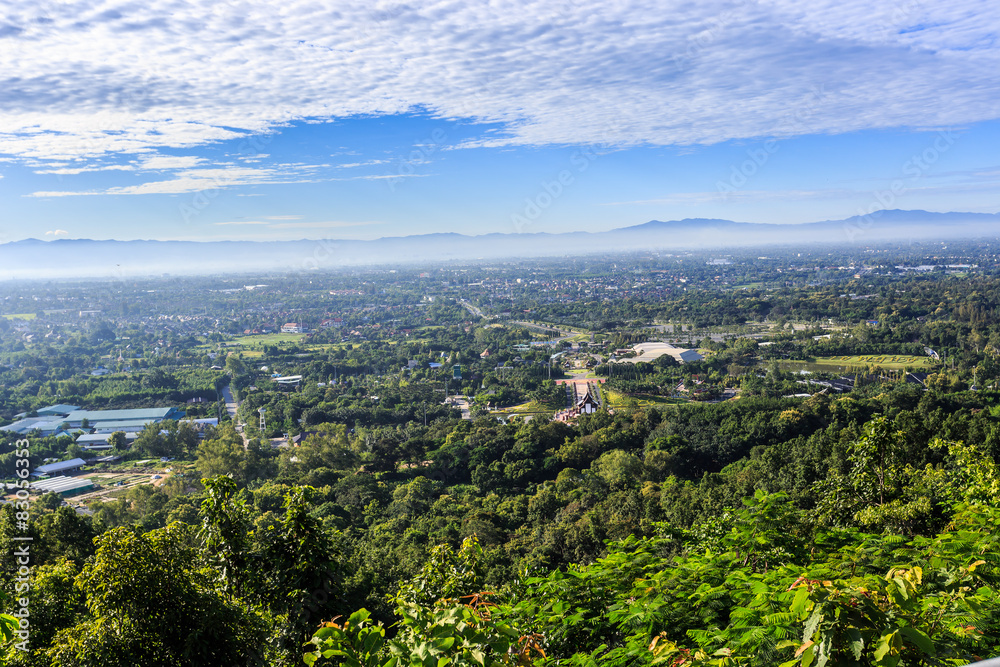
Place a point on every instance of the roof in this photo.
(125, 425)
(61, 484)
(587, 398)
(28, 424)
(649, 351)
(59, 409)
(90, 438)
(95, 416)
(72, 464)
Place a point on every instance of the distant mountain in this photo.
(34, 259)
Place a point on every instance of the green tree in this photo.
(149, 603)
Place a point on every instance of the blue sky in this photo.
(263, 121)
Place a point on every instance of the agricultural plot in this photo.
(845, 363)
(260, 340)
(618, 400)
(529, 408)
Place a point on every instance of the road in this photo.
(564, 334)
(472, 309)
(232, 407)
(462, 403)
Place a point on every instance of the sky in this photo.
(261, 120)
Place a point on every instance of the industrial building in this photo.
(649, 352)
(57, 419)
(64, 486)
(60, 467)
(99, 441)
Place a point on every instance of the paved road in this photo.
(547, 328)
(472, 309)
(462, 404)
(232, 407)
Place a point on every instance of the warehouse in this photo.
(60, 467)
(64, 486)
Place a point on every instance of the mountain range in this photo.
(86, 258)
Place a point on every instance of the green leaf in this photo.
(884, 645)
(857, 643)
(801, 599)
(814, 620)
(920, 640)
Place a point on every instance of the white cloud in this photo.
(88, 80)
(331, 224)
(57, 232)
(199, 180)
(368, 163)
(66, 171)
(169, 162)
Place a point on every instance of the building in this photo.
(126, 425)
(48, 425)
(650, 352)
(587, 405)
(292, 327)
(121, 420)
(60, 467)
(93, 442)
(100, 421)
(64, 486)
(57, 410)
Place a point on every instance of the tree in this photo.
(67, 534)
(118, 442)
(149, 604)
(222, 455)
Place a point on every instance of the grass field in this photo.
(887, 361)
(580, 374)
(253, 346)
(259, 340)
(529, 408)
(21, 316)
(618, 400)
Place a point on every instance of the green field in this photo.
(21, 316)
(887, 361)
(618, 400)
(529, 408)
(260, 340)
(581, 374)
